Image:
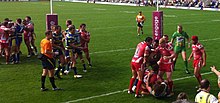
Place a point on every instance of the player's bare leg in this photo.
(174, 60)
(28, 48)
(7, 55)
(138, 30)
(33, 45)
(161, 73)
(197, 74)
(88, 57)
(83, 62)
(170, 83)
(140, 74)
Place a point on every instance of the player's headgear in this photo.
(204, 84)
(195, 38)
(162, 40)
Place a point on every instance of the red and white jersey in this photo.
(169, 46)
(4, 36)
(85, 35)
(166, 51)
(152, 79)
(141, 50)
(30, 27)
(197, 51)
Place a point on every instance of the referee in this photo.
(48, 62)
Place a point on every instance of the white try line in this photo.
(125, 90)
(120, 50)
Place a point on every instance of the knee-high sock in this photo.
(131, 84)
(75, 70)
(52, 81)
(199, 78)
(170, 86)
(84, 66)
(43, 81)
(138, 87)
(186, 64)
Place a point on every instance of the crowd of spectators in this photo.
(183, 3)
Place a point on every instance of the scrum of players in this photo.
(152, 59)
(69, 44)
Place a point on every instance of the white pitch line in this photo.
(125, 90)
(119, 50)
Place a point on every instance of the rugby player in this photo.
(27, 37)
(4, 39)
(72, 41)
(166, 63)
(59, 47)
(138, 63)
(85, 38)
(30, 25)
(140, 19)
(199, 55)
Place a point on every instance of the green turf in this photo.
(112, 28)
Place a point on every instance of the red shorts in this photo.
(86, 49)
(4, 45)
(166, 67)
(136, 66)
(85, 46)
(197, 63)
(27, 38)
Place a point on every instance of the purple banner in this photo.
(157, 25)
(51, 19)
